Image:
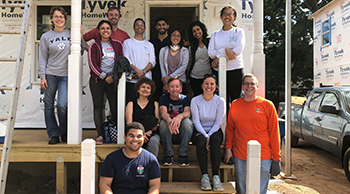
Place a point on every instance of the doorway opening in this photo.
(178, 17)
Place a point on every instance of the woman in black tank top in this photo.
(145, 111)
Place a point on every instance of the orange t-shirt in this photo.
(253, 120)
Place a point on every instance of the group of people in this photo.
(157, 107)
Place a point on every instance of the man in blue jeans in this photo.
(175, 125)
(252, 118)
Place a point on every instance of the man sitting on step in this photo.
(131, 169)
(175, 125)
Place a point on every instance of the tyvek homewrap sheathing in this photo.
(332, 61)
(30, 112)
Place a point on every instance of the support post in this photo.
(222, 86)
(121, 108)
(61, 176)
(87, 185)
(288, 53)
(74, 132)
(253, 167)
(258, 57)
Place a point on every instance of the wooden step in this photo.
(191, 154)
(224, 168)
(191, 187)
(194, 164)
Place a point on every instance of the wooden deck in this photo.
(192, 187)
(32, 146)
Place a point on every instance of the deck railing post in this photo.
(75, 78)
(121, 108)
(87, 185)
(222, 85)
(253, 167)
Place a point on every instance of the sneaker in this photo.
(183, 161)
(54, 140)
(217, 183)
(99, 140)
(167, 160)
(205, 183)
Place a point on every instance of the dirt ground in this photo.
(316, 171)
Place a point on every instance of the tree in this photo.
(302, 48)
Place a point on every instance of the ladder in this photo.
(15, 90)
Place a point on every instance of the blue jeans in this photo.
(183, 138)
(59, 84)
(241, 174)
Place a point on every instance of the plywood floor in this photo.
(32, 146)
(39, 136)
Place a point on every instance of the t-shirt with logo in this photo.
(107, 63)
(130, 175)
(174, 107)
(54, 48)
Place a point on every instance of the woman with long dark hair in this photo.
(199, 60)
(102, 55)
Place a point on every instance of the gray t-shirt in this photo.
(54, 48)
(107, 63)
(202, 64)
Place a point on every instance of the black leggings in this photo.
(215, 151)
(196, 85)
(233, 85)
(98, 90)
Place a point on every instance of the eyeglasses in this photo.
(228, 14)
(176, 36)
(139, 24)
(58, 17)
(249, 84)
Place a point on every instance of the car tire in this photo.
(294, 140)
(346, 164)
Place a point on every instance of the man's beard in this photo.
(162, 32)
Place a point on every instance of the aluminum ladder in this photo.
(15, 89)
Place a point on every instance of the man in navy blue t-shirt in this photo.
(175, 126)
(130, 169)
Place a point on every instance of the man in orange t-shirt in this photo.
(252, 118)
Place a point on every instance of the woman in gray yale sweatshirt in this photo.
(54, 49)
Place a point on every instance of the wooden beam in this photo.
(9, 32)
(8, 60)
(192, 187)
(61, 176)
(49, 153)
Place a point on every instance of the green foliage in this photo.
(302, 48)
